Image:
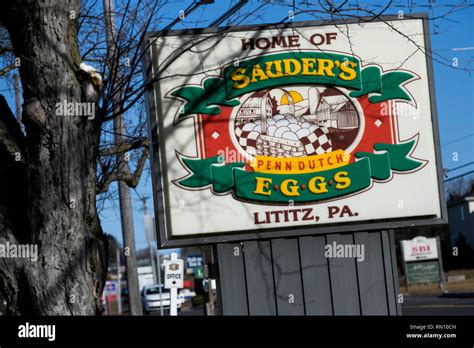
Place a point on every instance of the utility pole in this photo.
(144, 199)
(149, 237)
(124, 191)
(119, 282)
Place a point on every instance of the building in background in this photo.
(461, 219)
(145, 273)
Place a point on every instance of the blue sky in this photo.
(452, 38)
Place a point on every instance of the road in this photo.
(185, 312)
(413, 305)
(434, 305)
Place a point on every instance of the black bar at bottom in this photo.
(136, 331)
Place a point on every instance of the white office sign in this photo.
(174, 274)
(277, 131)
(419, 248)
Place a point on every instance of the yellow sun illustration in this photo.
(296, 96)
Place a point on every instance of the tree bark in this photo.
(51, 198)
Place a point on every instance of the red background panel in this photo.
(378, 129)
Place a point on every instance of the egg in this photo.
(278, 117)
(271, 130)
(294, 127)
(282, 123)
(279, 132)
(289, 136)
(303, 132)
(248, 127)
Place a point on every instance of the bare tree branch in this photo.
(7, 69)
(122, 148)
(130, 179)
(11, 136)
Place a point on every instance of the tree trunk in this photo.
(50, 200)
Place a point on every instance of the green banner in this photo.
(308, 187)
(291, 68)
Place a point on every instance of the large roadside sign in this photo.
(286, 130)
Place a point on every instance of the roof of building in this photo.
(468, 197)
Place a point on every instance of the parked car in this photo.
(151, 298)
(186, 294)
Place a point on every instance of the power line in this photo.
(459, 167)
(459, 176)
(191, 8)
(463, 48)
(229, 13)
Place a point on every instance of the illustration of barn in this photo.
(331, 110)
(253, 109)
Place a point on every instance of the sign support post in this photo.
(158, 266)
(174, 280)
(174, 293)
(440, 260)
(405, 272)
